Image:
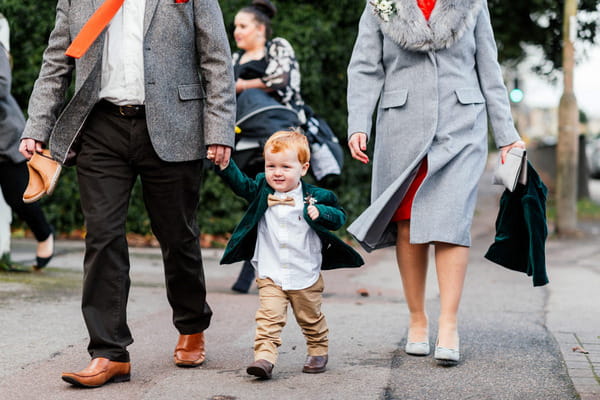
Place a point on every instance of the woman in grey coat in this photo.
(435, 77)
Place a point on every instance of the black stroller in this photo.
(259, 115)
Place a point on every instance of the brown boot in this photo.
(99, 371)
(43, 175)
(35, 186)
(315, 364)
(189, 352)
(260, 368)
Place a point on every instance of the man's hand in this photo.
(30, 146)
(358, 145)
(219, 155)
(313, 212)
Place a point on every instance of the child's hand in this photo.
(313, 212)
(222, 160)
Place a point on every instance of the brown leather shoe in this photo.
(261, 368)
(315, 364)
(35, 186)
(189, 352)
(43, 175)
(99, 371)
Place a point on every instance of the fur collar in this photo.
(448, 22)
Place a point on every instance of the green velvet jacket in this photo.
(336, 253)
(521, 229)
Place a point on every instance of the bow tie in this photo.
(274, 200)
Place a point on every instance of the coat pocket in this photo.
(394, 98)
(191, 92)
(469, 96)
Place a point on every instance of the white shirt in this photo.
(123, 58)
(287, 249)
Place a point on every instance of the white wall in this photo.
(5, 219)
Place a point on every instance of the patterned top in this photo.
(282, 72)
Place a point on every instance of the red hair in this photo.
(292, 139)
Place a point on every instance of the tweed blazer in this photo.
(11, 116)
(336, 253)
(188, 80)
(434, 84)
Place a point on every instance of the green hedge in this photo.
(321, 32)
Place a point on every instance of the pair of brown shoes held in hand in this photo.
(43, 174)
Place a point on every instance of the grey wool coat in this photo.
(188, 80)
(434, 84)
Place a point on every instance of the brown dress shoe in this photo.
(261, 368)
(315, 364)
(189, 352)
(99, 371)
(43, 174)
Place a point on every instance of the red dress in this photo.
(403, 211)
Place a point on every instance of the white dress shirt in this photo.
(123, 57)
(287, 250)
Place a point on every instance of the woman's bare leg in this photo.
(451, 266)
(412, 262)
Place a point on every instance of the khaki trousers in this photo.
(271, 317)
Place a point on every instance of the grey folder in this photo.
(513, 171)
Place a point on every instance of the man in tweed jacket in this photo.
(153, 93)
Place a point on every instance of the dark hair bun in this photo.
(266, 7)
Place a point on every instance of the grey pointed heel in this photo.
(417, 348)
(446, 356)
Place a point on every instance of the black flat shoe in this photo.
(41, 262)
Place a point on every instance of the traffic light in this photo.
(516, 94)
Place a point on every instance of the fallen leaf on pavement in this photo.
(579, 349)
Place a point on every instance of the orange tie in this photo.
(93, 27)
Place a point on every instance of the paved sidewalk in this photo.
(516, 340)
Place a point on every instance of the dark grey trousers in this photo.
(114, 151)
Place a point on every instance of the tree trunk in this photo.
(568, 130)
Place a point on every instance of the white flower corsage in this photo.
(310, 200)
(383, 9)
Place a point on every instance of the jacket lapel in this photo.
(149, 13)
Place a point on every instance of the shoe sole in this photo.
(114, 379)
(314, 371)
(34, 198)
(259, 372)
(190, 364)
(53, 181)
(445, 362)
(417, 354)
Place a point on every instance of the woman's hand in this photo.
(241, 85)
(30, 146)
(505, 149)
(358, 145)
